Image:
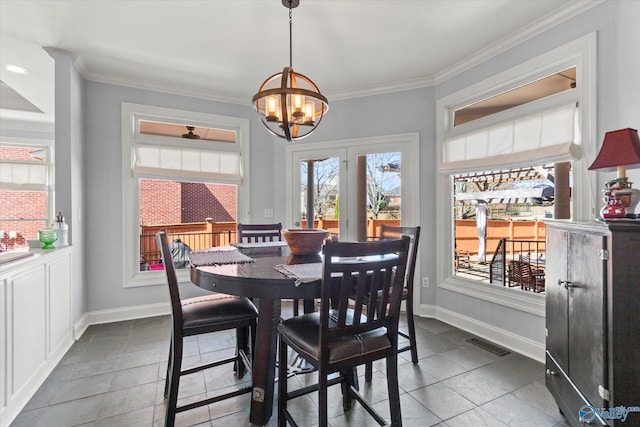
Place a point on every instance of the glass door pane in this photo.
(319, 194)
(378, 193)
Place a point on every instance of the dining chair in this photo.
(202, 315)
(396, 232)
(256, 233)
(253, 233)
(357, 278)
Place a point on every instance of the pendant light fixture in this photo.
(289, 104)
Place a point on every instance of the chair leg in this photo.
(174, 381)
(392, 387)
(296, 307)
(242, 341)
(412, 330)
(322, 398)
(282, 384)
(368, 372)
(350, 380)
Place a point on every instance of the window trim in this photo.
(582, 54)
(49, 189)
(130, 116)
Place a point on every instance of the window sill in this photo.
(516, 299)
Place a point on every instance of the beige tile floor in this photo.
(114, 376)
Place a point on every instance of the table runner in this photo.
(218, 257)
(303, 273)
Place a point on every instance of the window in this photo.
(26, 191)
(532, 134)
(555, 83)
(184, 173)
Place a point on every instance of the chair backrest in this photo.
(522, 273)
(252, 233)
(172, 279)
(395, 232)
(361, 277)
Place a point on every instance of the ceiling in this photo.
(224, 49)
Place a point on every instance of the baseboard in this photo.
(127, 313)
(17, 402)
(425, 310)
(80, 326)
(517, 343)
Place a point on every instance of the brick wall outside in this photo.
(16, 205)
(170, 202)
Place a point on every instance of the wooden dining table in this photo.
(266, 286)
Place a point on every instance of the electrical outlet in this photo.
(425, 282)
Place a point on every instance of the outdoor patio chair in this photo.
(522, 274)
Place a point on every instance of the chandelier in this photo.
(289, 104)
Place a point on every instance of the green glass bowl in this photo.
(47, 237)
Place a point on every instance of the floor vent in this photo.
(489, 346)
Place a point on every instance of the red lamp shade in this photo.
(619, 148)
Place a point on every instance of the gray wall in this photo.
(70, 168)
(409, 111)
(618, 90)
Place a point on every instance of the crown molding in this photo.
(572, 9)
(537, 27)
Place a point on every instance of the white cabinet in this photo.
(35, 324)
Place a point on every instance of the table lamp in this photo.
(620, 148)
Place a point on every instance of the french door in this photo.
(349, 183)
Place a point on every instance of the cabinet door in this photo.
(587, 321)
(556, 300)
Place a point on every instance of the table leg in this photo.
(264, 360)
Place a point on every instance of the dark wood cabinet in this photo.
(593, 320)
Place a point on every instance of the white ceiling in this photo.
(224, 49)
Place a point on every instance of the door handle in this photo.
(550, 373)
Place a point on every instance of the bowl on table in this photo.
(47, 237)
(305, 241)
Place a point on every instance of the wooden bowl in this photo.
(305, 241)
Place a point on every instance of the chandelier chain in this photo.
(290, 36)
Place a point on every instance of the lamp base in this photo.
(629, 198)
(613, 208)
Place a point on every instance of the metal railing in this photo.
(150, 255)
(514, 250)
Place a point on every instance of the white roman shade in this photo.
(24, 176)
(187, 163)
(542, 137)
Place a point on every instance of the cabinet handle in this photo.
(565, 283)
(551, 373)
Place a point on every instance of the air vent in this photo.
(489, 346)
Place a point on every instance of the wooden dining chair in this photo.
(356, 280)
(202, 315)
(395, 232)
(254, 233)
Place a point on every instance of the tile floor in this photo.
(114, 376)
